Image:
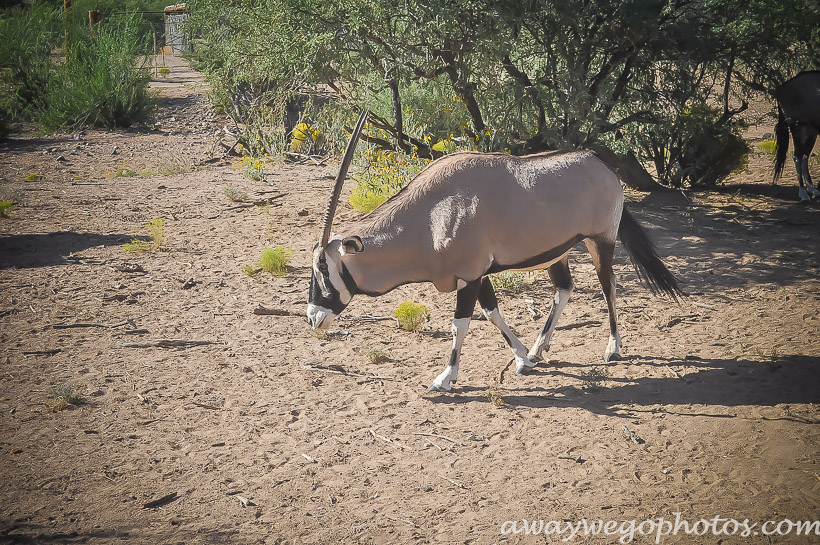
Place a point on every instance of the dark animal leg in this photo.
(804, 137)
(602, 252)
(465, 303)
(562, 280)
(489, 306)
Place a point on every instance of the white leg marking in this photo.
(450, 373)
(519, 351)
(543, 341)
(613, 348)
(804, 195)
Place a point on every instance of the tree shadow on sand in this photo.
(47, 249)
(764, 381)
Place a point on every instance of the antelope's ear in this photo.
(352, 245)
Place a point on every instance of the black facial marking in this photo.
(331, 301)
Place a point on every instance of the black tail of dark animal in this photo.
(781, 132)
(648, 266)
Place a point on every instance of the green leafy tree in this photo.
(627, 75)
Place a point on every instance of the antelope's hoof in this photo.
(534, 358)
(439, 387)
(522, 365)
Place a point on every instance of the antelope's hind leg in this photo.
(489, 306)
(804, 137)
(465, 303)
(603, 252)
(562, 280)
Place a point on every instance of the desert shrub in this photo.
(28, 37)
(697, 148)
(411, 315)
(65, 396)
(383, 175)
(252, 169)
(234, 194)
(275, 260)
(103, 81)
(5, 208)
(512, 281)
(156, 233)
(305, 138)
(768, 147)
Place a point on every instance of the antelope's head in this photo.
(331, 287)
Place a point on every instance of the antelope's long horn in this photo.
(340, 178)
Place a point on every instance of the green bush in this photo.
(411, 315)
(104, 80)
(275, 260)
(28, 37)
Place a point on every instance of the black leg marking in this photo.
(562, 280)
(466, 298)
(486, 295)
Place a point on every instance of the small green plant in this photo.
(5, 208)
(250, 270)
(148, 173)
(595, 378)
(275, 260)
(125, 173)
(234, 194)
(494, 396)
(32, 178)
(164, 71)
(512, 281)
(253, 169)
(411, 315)
(767, 146)
(156, 232)
(65, 396)
(376, 356)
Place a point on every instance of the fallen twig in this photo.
(89, 324)
(703, 305)
(504, 370)
(303, 157)
(263, 311)
(339, 370)
(578, 324)
(386, 439)
(675, 373)
(451, 481)
(459, 443)
(165, 343)
(42, 352)
(206, 406)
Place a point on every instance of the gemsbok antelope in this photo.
(798, 111)
(468, 215)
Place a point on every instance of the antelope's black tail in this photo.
(781, 134)
(648, 266)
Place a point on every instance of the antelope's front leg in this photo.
(489, 306)
(465, 303)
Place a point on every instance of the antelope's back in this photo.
(471, 211)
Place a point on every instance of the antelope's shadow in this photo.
(765, 381)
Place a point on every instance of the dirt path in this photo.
(713, 412)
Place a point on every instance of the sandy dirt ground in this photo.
(712, 413)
